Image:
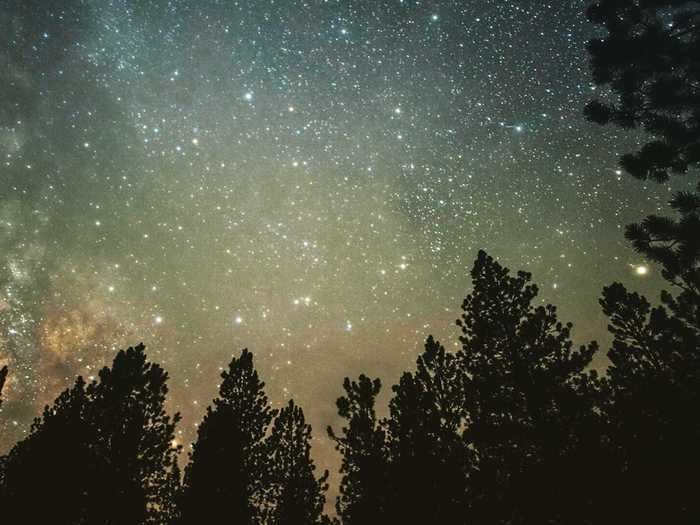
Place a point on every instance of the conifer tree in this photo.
(135, 436)
(295, 495)
(652, 390)
(101, 454)
(429, 460)
(55, 465)
(675, 245)
(3, 376)
(228, 465)
(362, 446)
(649, 60)
(527, 415)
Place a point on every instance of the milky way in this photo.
(308, 179)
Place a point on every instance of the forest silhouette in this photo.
(515, 427)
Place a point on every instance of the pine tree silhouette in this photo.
(649, 59)
(3, 376)
(525, 406)
(362, 445)
(429, 459)
(294, 494)
(675, 245)
(228, 464)
(651, 391)
(55, 465)
(101, 454)
(136, 436)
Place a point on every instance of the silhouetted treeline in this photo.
(511, 428)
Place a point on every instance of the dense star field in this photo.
(308, 179)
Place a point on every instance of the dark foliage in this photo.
(294, 495)
(651, 392)
(135, 436)
(101, 454)
(527, 414)
(33, 470)
(362, 446)
(3, 376)
(429, 460)
(228, 464)
(650, 59)
(675, 245)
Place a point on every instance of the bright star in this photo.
(641, 270)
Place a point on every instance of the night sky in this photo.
(308, 179)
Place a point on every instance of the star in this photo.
(641, 270)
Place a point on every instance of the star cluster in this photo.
(307, 178)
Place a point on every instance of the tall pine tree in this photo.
(135, 436)
(527, 415)
(3, 376)
(101, 454)
(650, 61)
(294, 493)
(652, 390)
(55, 465)
(228, 464)
(429, 460)
(362, 446)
